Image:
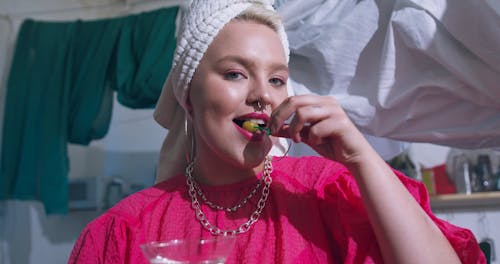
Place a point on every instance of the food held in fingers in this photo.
(253, 126)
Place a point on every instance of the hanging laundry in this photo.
(60, 89)
(418, 71)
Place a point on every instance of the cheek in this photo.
(215, 102)
(213, 111)
(283, 94)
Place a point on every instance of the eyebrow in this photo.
(250, 63)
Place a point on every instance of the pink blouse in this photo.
(314, 214)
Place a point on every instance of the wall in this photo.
(29, 236)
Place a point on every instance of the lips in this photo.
(260, 119)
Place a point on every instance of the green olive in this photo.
(250, 126)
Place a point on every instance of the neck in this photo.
(210, 169)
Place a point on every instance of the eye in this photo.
(276, 82)
(233, 75)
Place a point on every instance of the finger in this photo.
(286, 109)
(338, 128)
(308, 116)
(320, 133)
(282, 132)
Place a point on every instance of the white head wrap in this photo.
(201, 23)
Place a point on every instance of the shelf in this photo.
(464, 201)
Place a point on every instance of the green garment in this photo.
(60, 90)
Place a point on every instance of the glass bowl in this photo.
(212, 250)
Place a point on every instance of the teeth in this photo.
(257, 121)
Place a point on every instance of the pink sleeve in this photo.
(105, 240)
(346, 217)
(85, 249)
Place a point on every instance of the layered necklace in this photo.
(195, 191)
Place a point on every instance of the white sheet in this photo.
(420, 71)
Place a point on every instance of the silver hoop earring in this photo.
(186, 127)
(189, 156)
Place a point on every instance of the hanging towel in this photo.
(60, 87)
(144, 55)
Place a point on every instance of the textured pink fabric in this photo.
(314, 215)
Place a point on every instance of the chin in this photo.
(255, 156)
(242, 152)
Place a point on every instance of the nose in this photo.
(260, 95)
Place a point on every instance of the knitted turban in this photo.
(201, 22)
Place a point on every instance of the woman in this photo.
(230, 77)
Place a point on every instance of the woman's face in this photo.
(244, 64)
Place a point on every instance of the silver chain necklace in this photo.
(227, 209)
(254, 217)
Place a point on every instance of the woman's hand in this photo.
(403, 229)
(321, 123)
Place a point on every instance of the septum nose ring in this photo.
(260, 106)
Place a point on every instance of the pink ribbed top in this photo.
(314, 214)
